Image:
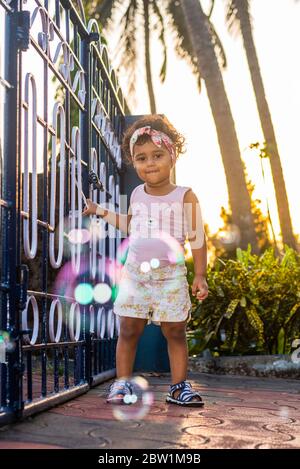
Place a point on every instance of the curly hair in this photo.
(157, 122)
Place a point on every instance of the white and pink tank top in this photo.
(158, 227)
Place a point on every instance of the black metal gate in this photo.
(61, 115)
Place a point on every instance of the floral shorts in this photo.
(162, 294)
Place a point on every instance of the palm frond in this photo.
(104, 11)
(217, 45)
(128, 41)
(212, 4)
(231, 15)
(161, 37)
(183, 45)
(234, 9)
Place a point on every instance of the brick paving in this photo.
(239, 412)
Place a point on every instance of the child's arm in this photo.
(118, 220)
(197, 240)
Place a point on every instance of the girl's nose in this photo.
(150, 164)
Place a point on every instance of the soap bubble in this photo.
(135, 406)
(145, 267)
(7, 345)
(79, 236)
(163, 243)
(122, 251)
(229, 238)
(223, 335)
(84, 293)
(102, 293)
(70, 284)
(284, 412)
(154, 263)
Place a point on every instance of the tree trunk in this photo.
(147, 58)
(266, 123)
(239, 197)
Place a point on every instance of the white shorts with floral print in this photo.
(160, 295)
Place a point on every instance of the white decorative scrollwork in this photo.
(113, 77)
(79, 79)
(102, 225)
(42, 37)
(68, 65)
(104, 56)
(112, 229)
(116, 151)
(92, 319)
(98, 113)
(58, 111)
(103, 123)
(121, 97)
(35, 329)
(55, 305)
(94, 221)
(55, 55)
(101, 323)
(117, 325)
(44, 40)
(110, 324)
(74, 313)
(30, 252)
(92, 24)
(76, 176)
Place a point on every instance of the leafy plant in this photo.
(253, 306)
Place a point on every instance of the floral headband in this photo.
(157, 137)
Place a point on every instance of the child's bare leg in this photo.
(175, 333)
(130, 332)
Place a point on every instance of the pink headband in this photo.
(157, 137)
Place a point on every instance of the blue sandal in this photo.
(118, 390)
(185, 396)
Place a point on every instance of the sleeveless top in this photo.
(158, 227)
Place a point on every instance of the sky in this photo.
(277, 37)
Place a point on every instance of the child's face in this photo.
(152, 163)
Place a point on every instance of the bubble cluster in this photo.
(69, 284)
(136, 405)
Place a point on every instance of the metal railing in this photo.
(61, 115)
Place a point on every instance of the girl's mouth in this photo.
(151, 172)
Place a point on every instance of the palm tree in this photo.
(197, 42)
(200, 29)
(105, 11)
(238, 14)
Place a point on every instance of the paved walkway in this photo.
(239, 412)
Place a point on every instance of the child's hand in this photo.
(200, 287)
(90, 209)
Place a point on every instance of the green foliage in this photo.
(261, 223)
(253, 306)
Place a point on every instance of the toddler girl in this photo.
(153, 285)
